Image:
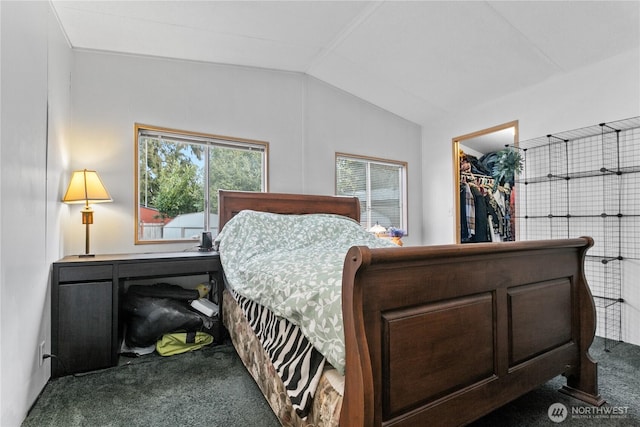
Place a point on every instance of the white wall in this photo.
(604, 92)
(112, 92)
(338, 122)
(29, 229)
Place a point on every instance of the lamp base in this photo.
(87, 255)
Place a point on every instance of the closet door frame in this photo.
(466, 141)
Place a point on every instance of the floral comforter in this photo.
(292, 264)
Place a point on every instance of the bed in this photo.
(447, 332)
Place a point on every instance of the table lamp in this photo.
(378, 230)
(86, 187)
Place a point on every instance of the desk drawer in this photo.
(169, 268)
(85, 273)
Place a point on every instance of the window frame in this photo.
(190, 137)
(403, 167)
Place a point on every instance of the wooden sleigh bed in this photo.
(451, 332)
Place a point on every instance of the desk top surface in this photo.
(133, 257)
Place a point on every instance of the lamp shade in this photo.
(86, 187)
(377, 229)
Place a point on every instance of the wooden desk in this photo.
(86, 330)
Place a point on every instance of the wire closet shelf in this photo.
(586, 182)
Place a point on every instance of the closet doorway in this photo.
(484, 187)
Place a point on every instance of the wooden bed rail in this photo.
(452, 332)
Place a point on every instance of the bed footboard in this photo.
(453, 332)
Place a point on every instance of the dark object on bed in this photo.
(452, 332)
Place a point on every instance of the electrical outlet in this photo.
(41, 353)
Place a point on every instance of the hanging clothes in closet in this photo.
(485, 209)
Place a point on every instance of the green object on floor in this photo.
(182, 342)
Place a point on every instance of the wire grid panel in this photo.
(542, 228)
(594, 195)
(608, 323)
(629, 149)
(559, 228)
(536, 163)
(599, 276)
(611, 154)
(595, 153)
(536, 200)
(629, 143)
(592, 177)
(558, 159)
(629, 237)
(558, 191)
(585, 155)
(629, 191)
(533, 228)
(604, 231)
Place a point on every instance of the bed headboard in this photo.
(232, 202)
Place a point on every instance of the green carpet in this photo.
(619, 385)
(208, 387)
(211, 387)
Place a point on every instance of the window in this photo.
(381, 186)
(172, 201)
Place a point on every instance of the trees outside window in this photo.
(172, 201)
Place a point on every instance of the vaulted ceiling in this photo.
(418, 59)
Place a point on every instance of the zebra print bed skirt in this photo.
(321, 403)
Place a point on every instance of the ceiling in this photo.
(490, 142)
(418, 59)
